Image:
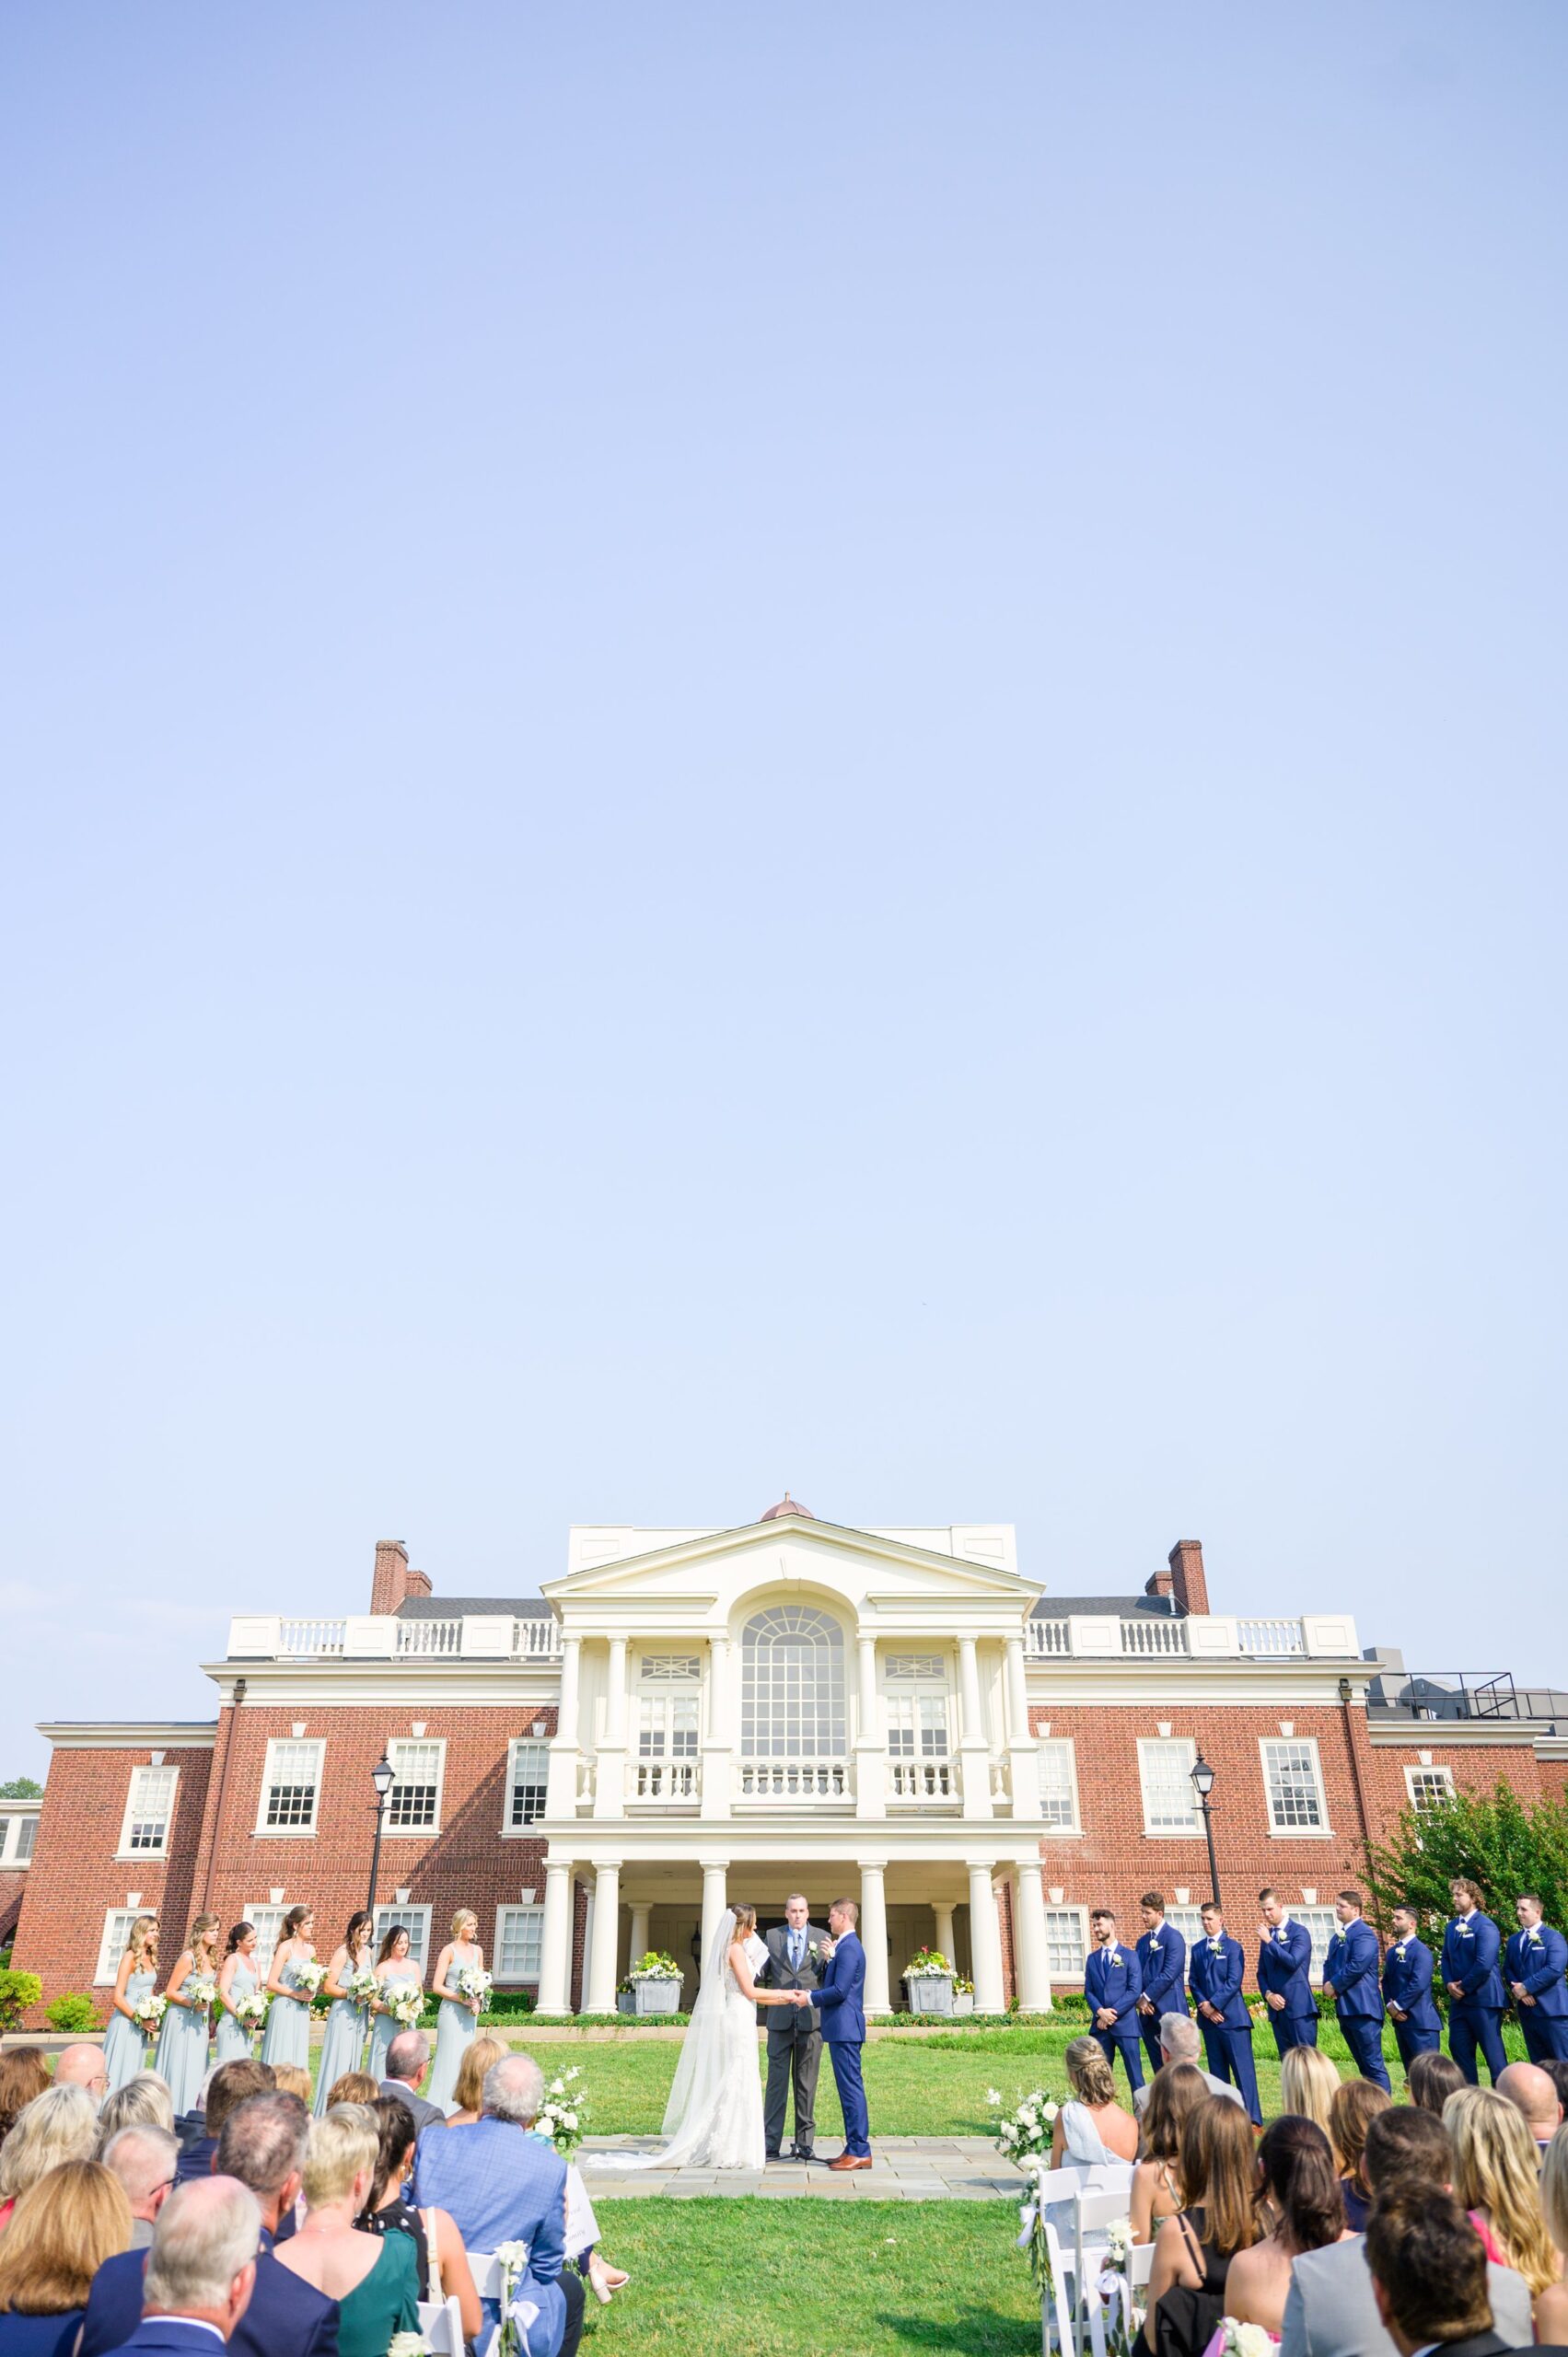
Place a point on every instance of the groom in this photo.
(843, 2028)
(794, 2037)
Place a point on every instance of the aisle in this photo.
(908, 2168)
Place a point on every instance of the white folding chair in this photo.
(1092, 2212)
(441, 2327)
(1054, 2308)
(485, 2269)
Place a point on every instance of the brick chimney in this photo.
(420, 1584)
(392, 1581)
(1160, 1584)
(1186, 1582)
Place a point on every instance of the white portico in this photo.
(793, 1703)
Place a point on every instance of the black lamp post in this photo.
(1204, 1785)
(383, 1776)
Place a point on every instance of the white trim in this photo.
(129, 1734)
(1322, 1830)
(1434, 1767)
(420, 1743)
(106, 1970)
(1062, 1743)
(386, 1917)
(123, 1849)
(265, 1832)
(528, 1831)
(520, 1980)
(1146, 1743)
(1080, 1940)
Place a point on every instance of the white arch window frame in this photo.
(793, 1684)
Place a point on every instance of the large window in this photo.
(792, 1685)
(1058, 1786)
(917, 1727)
(267, 1925)
(1067, 1942)
(416, 1921)
(520, 1932)
(1294, 1788)
(116, 1932)
(290, 1787)
(413, 1805)
(148, 1809)
(527, 1779)
(667, 1726)
(1321, 1923)
(1164, 1768)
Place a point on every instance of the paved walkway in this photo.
(908, 2168)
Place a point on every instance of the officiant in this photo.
(794, 2032)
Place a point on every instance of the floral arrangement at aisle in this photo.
(1028, 2130)
(251, 2011)
(148, 2016)
(475, 1984)
(563, 2115)
(517, 2313)
(310, 1978)
(406, 2007)
(406, 2344)
(202, 1987)
(1112, 2295)
(1232, 2339)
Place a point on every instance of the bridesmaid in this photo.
(288, 2036)
(395, 1970)
(342, 2048)
(124, 2043)
(237, 1977)
(459, 2016)
(182, 2042)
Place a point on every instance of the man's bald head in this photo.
(1527, 2086)
(81, 2065)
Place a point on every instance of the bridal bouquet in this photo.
(475, 1984)
(202, 1987)
(406, 2007)
(563, 2116)
(1028, 2130)
(148, 2016)
(251, 2011)
(360, 1985)
(310, 1979)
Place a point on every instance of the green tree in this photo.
(21, 1788)
(1494, 1838)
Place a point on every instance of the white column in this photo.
(973, 1748)
(1023, 1758)
(555, 1939)
(560, 1797)
(874, 1933)
(985, 1937)
(640, 1930)
(609, 1769)
(943, 1943)
(870, 1779)
(714, 1901)
(1033, 1961)
(717, 1743)
(600, 1997)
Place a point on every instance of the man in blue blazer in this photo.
(1285, 1958)
(262, 2146)
(1351, 1976)
(1215, 1973)
(1472, 1946)
(200, 2268)
(1113, 1984)
(1537, 1958)
(1407, 1988)
(840, 2000)
(502, 2184)
(1162, 1966)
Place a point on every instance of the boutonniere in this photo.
(1215, 1948)
(813, 1951)
(1400, 1951)
(1118, 1963)
(1154, 1947)
(1534, 1940)
(1465, 1932)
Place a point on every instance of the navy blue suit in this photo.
(1407, 1982)
(171, 2337)
(1352, 1964)
(839, 2002)
(1537, 1958)
(1471, 1946)
(286, 2313)
(1216, 1979)
(1111, 1977)
(1162, 1961)
(1284, 1953)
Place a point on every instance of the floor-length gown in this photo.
(383, 2026)
(714, 2117)
(182, 2051)
(287, 2035)
(234, 2037)
(342, 2048)
(124, 2048)
(456, 2025)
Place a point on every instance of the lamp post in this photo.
(1204, 1785)
(383, 1775)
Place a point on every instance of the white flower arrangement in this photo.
(310, 1977)
(407, 2006)
(563, 2116)
(655, 1966)
(360, 1985)
(512, 2259)
(148, 2016)
(405, 2344)
(250, 2010)
(474, 1984)
(201, 1988)
(1028, 2130)
(1242, 2340)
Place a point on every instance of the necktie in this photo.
(796, 1951)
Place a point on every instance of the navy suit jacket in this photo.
(1162, 1960)
(171, 2334)
(1217, 1980)
(283, 2313)
(1111, 1977)
(1538, 1958)
(1282, 1961)
(1352, 1964)
(1471, 1945)
(841, 1997)
(1407, 1982)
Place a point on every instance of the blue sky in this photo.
(814, 747)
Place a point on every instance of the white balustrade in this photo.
(1153, 1636)
(668, 1784)
(925, 1782)
(1042, 1637)
(791, 1781)
(310, 1637)
(387, 1635)
(1265, 1637)
(430, 1636)
(537, 1639)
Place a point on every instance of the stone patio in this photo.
(907, 2169)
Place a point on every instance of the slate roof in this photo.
(454, 1608)
(1162, 1608)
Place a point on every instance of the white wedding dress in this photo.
(713, 2118)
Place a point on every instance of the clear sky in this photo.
(814, 746)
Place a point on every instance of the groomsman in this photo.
(1537, 1955)
(1407, 1990)
(1215, 1975)
(1284, 1956)
(1471, 1946)
(1162, 1961)
(1349, 1975)
(1113, 1984)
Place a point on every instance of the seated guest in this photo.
(61, 2231)
(1091, 2127)
(443, 2271)
(1558, 2073)
(501, 2184)
(1194, 2249)
(1551, 2307)
(289, 2079)
(373, 2278)
(144, 2159)
(226, 2087)
(469, 2092)
(59, 2125)
(23, 2075)
(1533, 2093)
(1355, 2105)
(142, 2101)
(81, 2065)
(262, 2147)
(1300, 2198)
(200, 2270)
(1331, 2311)
(1308, 2083)
(1177, 2091)
(408, 2058)
(1429, 2275)
(1432, 2079)
(1497, 2181)
(1179, 2042)
(353, 2086)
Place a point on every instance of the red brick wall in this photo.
(11, 1889)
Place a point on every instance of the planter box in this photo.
(963, 2005)
(932, 1994)
(652, 1997)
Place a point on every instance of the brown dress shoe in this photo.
(851, 2161)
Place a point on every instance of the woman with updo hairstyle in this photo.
(444, 2269)
(458, 2017)
(142, 2101)
(374, 2278)
(1091, 2127)
(1175, 2094)
(1302, 2207)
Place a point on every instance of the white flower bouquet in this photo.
(406, 2006)
(360, 1985)
(1232, 2339)
(563, 2115)
(249, 2011)
(201, 1988)
(405, 2344)
(148, 2016)
(475, 1984)
(1028, 2130)
(517, 2313)
(309, 1978)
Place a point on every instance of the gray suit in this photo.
(795, 2039)
(1215, 2087)
(1331, 2311)
(426, 2115)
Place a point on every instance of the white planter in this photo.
(655, 1997)
(932, 1993)
(963, 2005)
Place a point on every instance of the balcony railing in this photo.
(382, 1636)
(1463, 1694)
(429, 1636)
(923, 1783)
(311, 1639)
(791, 1783)
(1047, 1637)
(663, 1783)
(1262, 1638)
(1155, 1636)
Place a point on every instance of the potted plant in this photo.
(963, 1995)
(652, 1986)
(929, 1978)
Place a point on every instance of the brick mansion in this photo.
(683, 1718)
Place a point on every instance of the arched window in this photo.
(792, 1685)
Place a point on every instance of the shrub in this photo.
(75, 2011)
(509, 2004)
(18, 1991)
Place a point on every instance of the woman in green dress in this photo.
(374, 2278)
